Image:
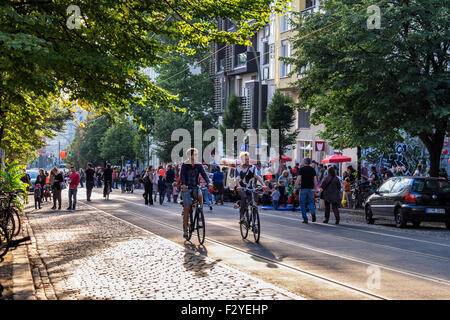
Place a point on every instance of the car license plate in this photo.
(434, 210)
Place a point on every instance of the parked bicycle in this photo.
(10, 220)
(251, 215)
(360, 192)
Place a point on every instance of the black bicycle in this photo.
(10, 221)
(251, 215)
(360, 191)
(196, 220)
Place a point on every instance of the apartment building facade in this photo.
(234, 71)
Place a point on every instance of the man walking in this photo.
(307, 179)
(108, 178)
(73, 188)
(89, 181)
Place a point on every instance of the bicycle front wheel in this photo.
(10, 225)
(4, 241)
(18, 222)
(190, 226)
(256, 226)
(201, 230)
(244, 228)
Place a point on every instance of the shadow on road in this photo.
(195, 259)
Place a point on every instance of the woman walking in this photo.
(82, 176)
(148, 186)
(56, 179)
(331, 190)
(161, 188)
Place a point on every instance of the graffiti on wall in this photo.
(407, 155)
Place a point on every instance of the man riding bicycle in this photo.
(107, 178)
(245, 176)
(189, 179)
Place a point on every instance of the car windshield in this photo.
(422, 185)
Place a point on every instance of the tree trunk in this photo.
(358, 165)
(434, 144)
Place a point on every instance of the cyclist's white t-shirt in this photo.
(246, 175)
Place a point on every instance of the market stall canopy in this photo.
(283, 159)
(336, 159)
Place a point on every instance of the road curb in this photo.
(23, 285)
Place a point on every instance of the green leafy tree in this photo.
(371, 86)
(85, 147)
(190, 80)
(97, 60)
(10, 181)
(23, 126)
(281, 116)
(232, 118)
(118, 141)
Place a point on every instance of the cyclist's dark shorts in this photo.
(186, 194)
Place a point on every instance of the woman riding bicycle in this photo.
(245, 175)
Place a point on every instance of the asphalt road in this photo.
(317, 261)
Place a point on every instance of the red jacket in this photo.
(74, 180)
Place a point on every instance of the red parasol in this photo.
(283, 159)
(336, 159)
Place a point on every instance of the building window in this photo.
(303, 119)
(240, 59)
(312, 5)
(285, 20)
(285, 51)
(266, 30)
(240, 56)
(221, 65)
(303, 70)
(266, 53)
(266, 73)
(306, 149)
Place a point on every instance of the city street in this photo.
(315, 261)
(329, 104)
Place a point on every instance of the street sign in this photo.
(122, 157)
(128, 161)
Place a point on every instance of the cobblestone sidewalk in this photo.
(87, 254)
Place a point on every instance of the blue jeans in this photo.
(72, 193)
(205, 193)
(307, 197)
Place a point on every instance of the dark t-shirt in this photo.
(90, 174)
(107, 175)
(170, 176)
(308, 173)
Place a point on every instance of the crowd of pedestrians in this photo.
(306, 185)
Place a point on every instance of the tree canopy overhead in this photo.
(371, 86)
(99, 65)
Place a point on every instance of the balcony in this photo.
(244, 62)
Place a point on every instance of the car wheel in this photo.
(400, 221)
(369, 215)
(416, 224)
(447, 224)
